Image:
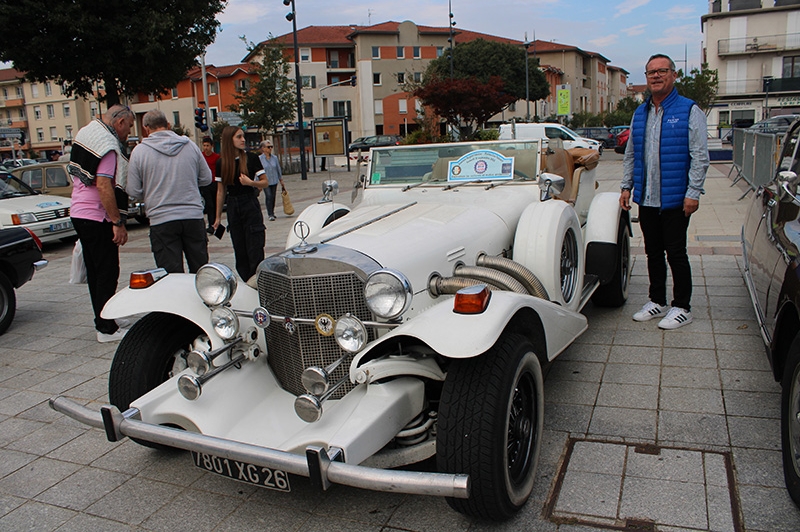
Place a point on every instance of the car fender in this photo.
(602, 227)
(317, 216)
(176, 294)
(460, 336)
(538, 242)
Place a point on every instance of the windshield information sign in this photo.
(481, 165)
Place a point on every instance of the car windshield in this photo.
(11, 187)
(461, 162)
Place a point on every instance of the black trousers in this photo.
(664, 233)
(170, 241)
(248, 234)
(101, 256)
(209, 194)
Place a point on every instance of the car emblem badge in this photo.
(261, 317)
(289, 325)
(324, 324)
(301, 231)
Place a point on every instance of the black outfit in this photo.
(101, 256)
(171, 240)
(664, 231)
(245, 220)
(209, 193)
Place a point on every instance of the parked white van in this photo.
(548, 130)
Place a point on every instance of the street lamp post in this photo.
(291, 17)
(526, 44)
(767, 83)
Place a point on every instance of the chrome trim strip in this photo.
(751, 291)
(411, 482)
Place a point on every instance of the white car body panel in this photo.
(48, 227)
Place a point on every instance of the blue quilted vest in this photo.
(674, 150)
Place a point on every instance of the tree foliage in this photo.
(700, 85)
(270, 101)
(129, 45)
(494, 70)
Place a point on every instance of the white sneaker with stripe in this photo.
(676, 317)
(649, 311)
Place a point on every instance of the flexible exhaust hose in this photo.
(498, 278)
(517, 271)
(449, 285)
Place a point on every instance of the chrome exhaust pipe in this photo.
(191, 386)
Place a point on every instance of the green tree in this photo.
(480, 62)
(130, 46)
(270, 101)
(700, 85)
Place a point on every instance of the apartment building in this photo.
(12, 110)
(755, 47)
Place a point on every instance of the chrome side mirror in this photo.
(550, 185)
(788, 181)
(329, 190)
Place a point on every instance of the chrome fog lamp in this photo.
(198, 361)
(350, 333)
(388, 294)
(190, 387)
(225, 322)
(215, 284)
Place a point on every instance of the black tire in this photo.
(615, 292)
(790, 423)
(490, 427)
(8, 303)
(153, 350)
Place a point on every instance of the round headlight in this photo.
(225, 322)
(215, 284)
(388, 294)
(350, 333)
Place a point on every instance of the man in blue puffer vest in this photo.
(665, 167)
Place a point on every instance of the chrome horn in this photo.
(309, 407)
(191, 386)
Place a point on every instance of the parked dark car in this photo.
(20, 256)
(776, 125)
(375, 141)
(600, 134)
(771, 254)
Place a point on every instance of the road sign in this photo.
(10, 132)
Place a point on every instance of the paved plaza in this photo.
(644, 429)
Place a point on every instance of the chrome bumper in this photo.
(317, 465)
(40, 264)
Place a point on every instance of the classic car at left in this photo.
(46, 216)
(414, 325)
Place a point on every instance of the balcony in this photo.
(758, 45)
(757, 86)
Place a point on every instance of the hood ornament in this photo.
(301, 231)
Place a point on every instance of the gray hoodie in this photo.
(167, 171)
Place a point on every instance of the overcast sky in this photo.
(627, 32)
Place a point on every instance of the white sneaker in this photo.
(676, 317)
(116, 336)
(649, 311)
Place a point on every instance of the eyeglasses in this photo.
(657, 72)
(270, 147)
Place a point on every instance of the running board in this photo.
(590, 284)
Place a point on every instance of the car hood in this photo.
(37, 203)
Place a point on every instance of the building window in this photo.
(334, 59)
(34, 90)
(342, 109)
(376, 52)
(174, 92)
(66, 110)
(212, 115)
(401, 52)
(48, 89)
(53, 133)
(305, 55)
(176, 118)
(308, 109)
(310, 82)
(212, 88)
(151, 97)
(401, 77)
(69, 131)
(416, 52)
(5, 93)
(378, 107)
(93, 109)
(439, 51)
(37, 113)
(791, 67)
(418, 107)
(242, 85)
(51, 111)
(376, 78)
(418, 77)
(512, 107)
(20, 94)
(39, 134)
(22, 114)
(402, 106)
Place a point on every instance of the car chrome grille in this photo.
(307, 297)
(51, 215)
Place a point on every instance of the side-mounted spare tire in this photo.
(490, 427)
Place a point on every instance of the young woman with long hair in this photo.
(237, 174)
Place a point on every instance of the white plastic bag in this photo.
(77, 272)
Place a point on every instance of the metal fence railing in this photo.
(755, 157)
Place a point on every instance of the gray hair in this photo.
(119, 111)
(661, 56)
(155, 119)
(265, 143)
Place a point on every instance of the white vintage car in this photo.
(415, 325)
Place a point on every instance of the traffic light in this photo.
(200, 119)
(353, 81)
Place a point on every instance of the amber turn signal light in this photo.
(472, 299)
(143, 279)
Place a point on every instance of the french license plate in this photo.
(61, 226)
(265, 477)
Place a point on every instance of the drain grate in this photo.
(644, 488)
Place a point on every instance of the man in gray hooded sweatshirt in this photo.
(167, 171)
